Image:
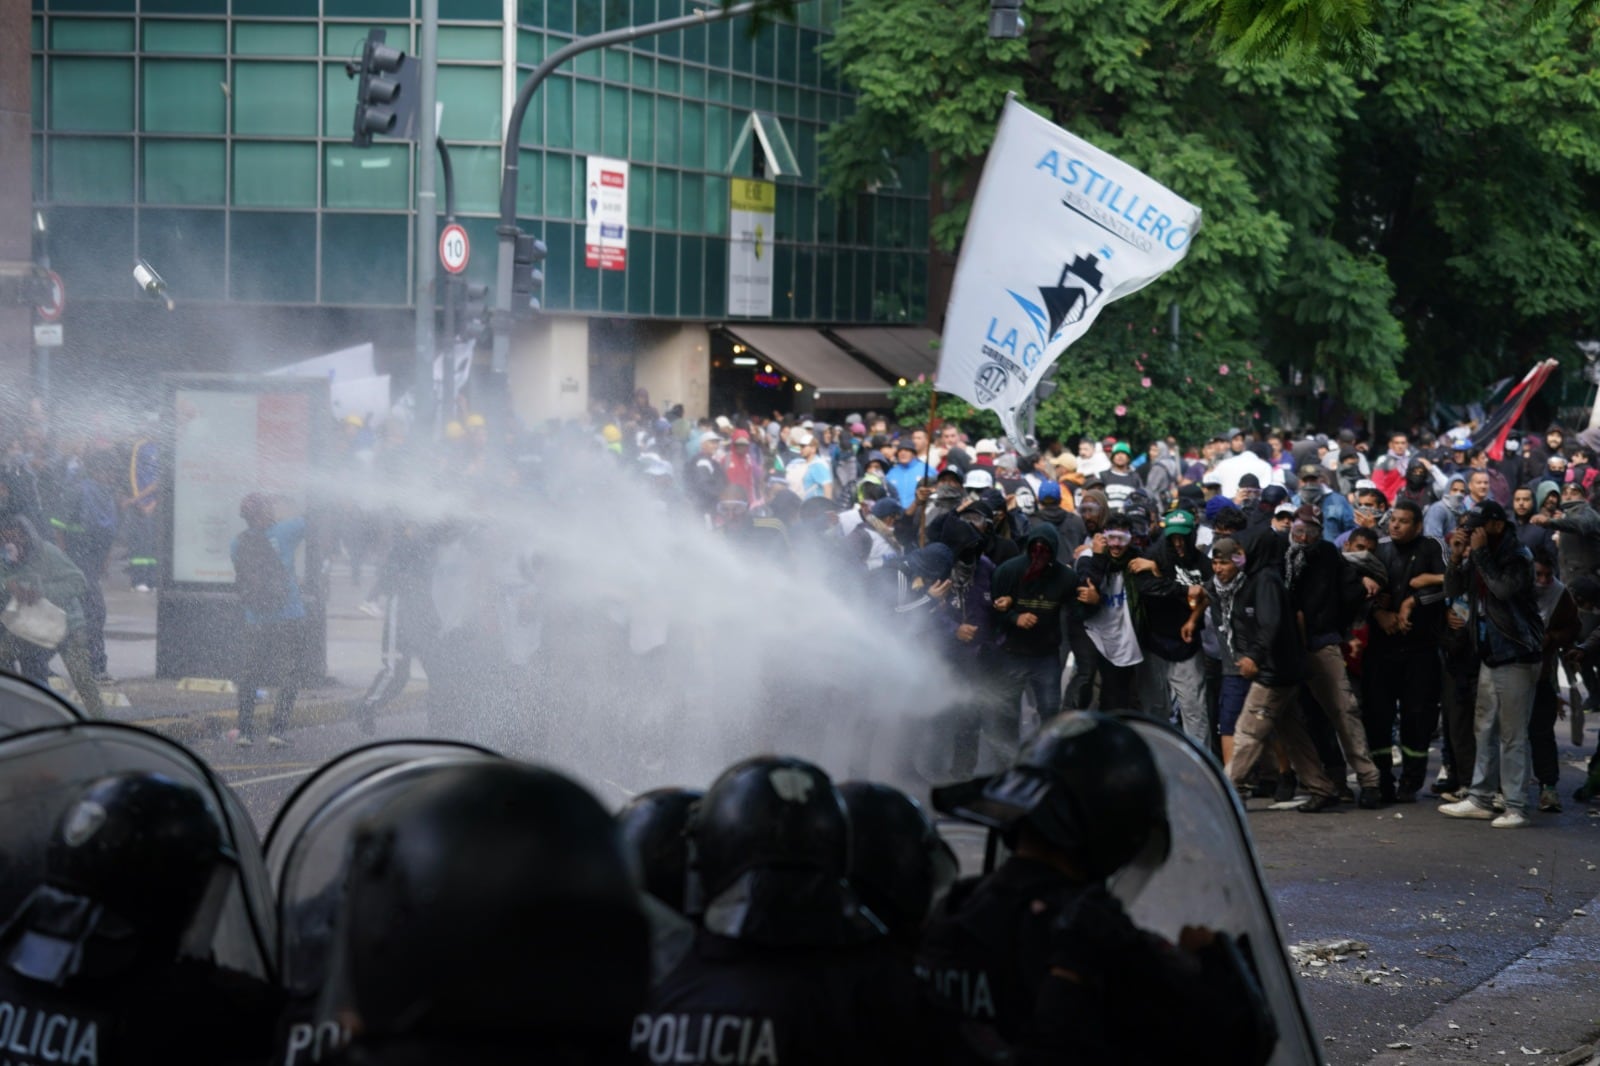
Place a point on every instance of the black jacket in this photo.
(1322, 592)
(1163, 599)
(1042, 597)
(1498, 583)
(1264, 630)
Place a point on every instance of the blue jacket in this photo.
(1338, 517)
(905, 477)
(285, 537)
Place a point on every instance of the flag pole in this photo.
(927, 464)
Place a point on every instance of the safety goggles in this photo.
(1118, 538)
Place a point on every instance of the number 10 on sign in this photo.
(454, 248)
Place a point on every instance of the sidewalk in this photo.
(194, 708)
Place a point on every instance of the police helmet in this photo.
(1088, 786)
(490, 901)
(901, 867)
(652, 826)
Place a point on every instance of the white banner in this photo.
(605, 231)
(752, 207)
(1059, 229)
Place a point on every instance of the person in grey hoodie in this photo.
(32, 569)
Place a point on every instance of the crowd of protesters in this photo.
(1316, 610)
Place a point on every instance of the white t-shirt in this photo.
(1111, 627)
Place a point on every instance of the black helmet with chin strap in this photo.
(900, 866)
(653, 828)
(1086, 784)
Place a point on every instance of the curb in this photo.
(206, 725)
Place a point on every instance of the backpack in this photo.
(260, 577)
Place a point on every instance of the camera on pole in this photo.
(386, 96)
(527, 277)
(1005, 19)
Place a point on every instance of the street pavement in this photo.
(1419, 939)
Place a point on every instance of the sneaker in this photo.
(1368, 800)
(1346, 794)
(243, 741)
(1510, 820)
(1466, 809)
(1318, 804)
(141, 588)
(1287, 787)
(1549, 800)
(277, 742)
(1443, 783)
(1500, 802)
(1455, 795)
(1405, 795)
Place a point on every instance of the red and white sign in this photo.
(605, 240)
(51, 310)
(454, 248)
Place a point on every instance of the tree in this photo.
(1346, 210)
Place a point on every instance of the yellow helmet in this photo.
(612, 434)
(476, 422)
(354, 420)
(453, 430)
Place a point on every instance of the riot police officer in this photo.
(653, 826)
(489, 917)
(787, 966)
(899, 865)
(109, 959)
(1038, 962)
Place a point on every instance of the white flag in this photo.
(1059, 229)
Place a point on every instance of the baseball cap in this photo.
(1308, 513)
(1224, 548)
(1049, 490)
(1274, 494)
(1346, 454)
(905, 446)
(1249, 481)
(1178, 523)
(1121, 446)
(1311, 470)
(800, 437)
(1487, 511)
(1284, 510)
(952, 470)
(715, 438)
(979, 479)
(986, 447)
(1365, 484)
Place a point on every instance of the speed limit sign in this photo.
(454, 248)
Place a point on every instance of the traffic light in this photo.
(527, 277)
(386, 97)
(475, 315)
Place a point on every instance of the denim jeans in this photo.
(1014, 675)
(1500, 726)
(1183, 683)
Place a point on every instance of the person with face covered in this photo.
(1108, 603)
(1325, 595)
(1168, 581)
(1561, 628)
(966, 619)
(1069, 525)
(1255, 619)
(1578, 534)
(1030, 592)
(1440, 518)
(1535, 536)
(1418, 486)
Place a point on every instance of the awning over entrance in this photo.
(904, 352)
(828, 372)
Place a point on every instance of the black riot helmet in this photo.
(900, 865)
(770, 851)
(1086, 785)
(653, 828)
(490, 902)
(136, 868)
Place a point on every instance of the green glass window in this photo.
(718, 144)
(694, 83)
(765, 53)
(810, 58)
(718, 45)
(822, 289)
(586, 64)
(559, 238)
(530, 48)
(692, 203)
(783, 213)
(36, 34)
(91, 35)
(694, 43)
(559, 198)
(530, 181)
(91, 170)
(184, 7)
(718, 86)
(477, 172)
(642, 134)
(274, 174)
(196, 38)
(91, 94)
(184, 172)
(275, 98)
(586, 125)
(558, 112)
(615, 138)
(375, 177)
(114, 6)
(363, 9)
(743, 93)
(741, 51)
(788, 56)
(558, 15)
(589, 18)
(717, 203)
(765, 97)
(479, 10)
(714, 275)
(184, 96)
(805, 215)
(641, 266)
(666, 213)
(861, 290)
(37, 92)
(92, 249)
(190, 246)
(805, 261)
(338, 101)
(343, 40)
(691, 276)
(469, 42)
(272, 256)
(275, 38)
(783, 282)
(786, 100)
(667, 76)
(530, 12)
(692, 148)
(614, 61)
(585, 281)
(38, 168)
(286, 8)
(641, 195)
(667, 131)
(364, 259)
(471, 97)
(643, 72)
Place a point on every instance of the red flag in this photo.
(1491, 436)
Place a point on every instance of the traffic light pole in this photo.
(452, 287)
(427, 221)
(507, 230)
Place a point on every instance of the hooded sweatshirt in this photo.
(1042, 593)
(47, 569)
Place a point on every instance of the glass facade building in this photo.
(212, 138)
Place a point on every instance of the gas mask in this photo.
(1311, 491)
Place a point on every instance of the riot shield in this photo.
(1211, 877)
(43, 770)
(306, 850)
(25, 706)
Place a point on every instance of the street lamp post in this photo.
(507, 231)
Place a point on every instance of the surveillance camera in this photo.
(145, 276)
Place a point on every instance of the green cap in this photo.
(1121, 446)
(1178, 523)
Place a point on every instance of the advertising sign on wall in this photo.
(750, 225)
(605, 233)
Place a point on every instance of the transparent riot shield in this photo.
(1211, 877)
(44, 770)
(306, 850)
(25, 706)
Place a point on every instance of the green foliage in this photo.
(1395, 228)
